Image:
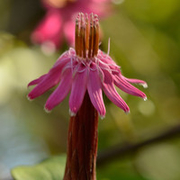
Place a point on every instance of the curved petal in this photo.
(136, 81)
(50, 80)
(127, 87)
(94, 87)
(61, 62)
(61, 91)
(78, 89)
(106, 58)
(66, 55)
(111, 92)
(38, 80)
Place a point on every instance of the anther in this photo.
(87, 31)
(77, 36)
(87, 35)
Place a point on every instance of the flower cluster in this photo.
(85, 68)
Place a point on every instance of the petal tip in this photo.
(127, 111)
(47, 110)
(102, 113)
(145, 85)
(145, 98)
(71, 113)
(102, 116)
(29, 98)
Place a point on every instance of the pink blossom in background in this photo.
(85, 68)
(58, 23)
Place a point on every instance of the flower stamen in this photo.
(87, 35)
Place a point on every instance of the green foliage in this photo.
(118, 170)
(50, 169)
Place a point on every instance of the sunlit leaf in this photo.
(118, 170)
(50, 169)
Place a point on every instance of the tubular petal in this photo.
(61, 91)
(50, 80)
(109, 66)
(63, 57)
(106, 58)
(136, 81)
(78, 90)
(37, 81)
(45, 85)
(127, 87)
(95, 91)
(61, 61)
(111, 92)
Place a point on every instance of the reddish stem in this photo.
(82, 143)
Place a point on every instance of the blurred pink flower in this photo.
(60, 17)
(85, 68)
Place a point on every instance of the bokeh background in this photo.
(145, 42)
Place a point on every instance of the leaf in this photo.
(119, 170)
(50, 169)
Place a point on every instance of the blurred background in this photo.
(145, 42)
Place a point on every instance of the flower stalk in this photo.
(82, 143)
(83, 127)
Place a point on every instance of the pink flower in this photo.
(85, 68)
(59, 20)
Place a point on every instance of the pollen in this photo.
(87, 35)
